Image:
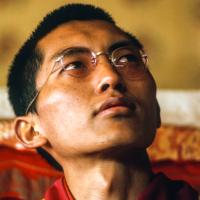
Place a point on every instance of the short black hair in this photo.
(21, 79)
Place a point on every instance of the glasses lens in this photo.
(76, 62)
(128, 60)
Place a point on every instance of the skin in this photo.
(103, 155)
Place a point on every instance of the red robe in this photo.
(160, 188)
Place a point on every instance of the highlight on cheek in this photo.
(50, 98)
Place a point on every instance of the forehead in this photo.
(95, 34)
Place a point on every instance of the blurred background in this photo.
(170, 31)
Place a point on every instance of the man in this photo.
(82, 91)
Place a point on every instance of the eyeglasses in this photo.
(80, 62)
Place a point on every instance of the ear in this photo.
(26, 132)
(158, 115)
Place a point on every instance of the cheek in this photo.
(65, 118)
(150, 110)
(143, 90)
(61, 111)
(145, 93)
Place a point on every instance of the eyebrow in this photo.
(110, 48)
(58, 54)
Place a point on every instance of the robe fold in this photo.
(160, 188)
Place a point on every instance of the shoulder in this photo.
(57, 191)
(181, 188)
(161, 187)
(54, 190)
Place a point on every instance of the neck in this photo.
(103, 178)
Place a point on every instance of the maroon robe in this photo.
(160, 188)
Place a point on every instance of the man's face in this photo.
(97, 113)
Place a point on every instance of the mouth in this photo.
(116, 106)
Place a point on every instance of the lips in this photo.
(113, 102)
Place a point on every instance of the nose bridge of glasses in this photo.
(101, 53)
(108, 68)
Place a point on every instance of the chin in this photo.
(124, 139)
(121, 135)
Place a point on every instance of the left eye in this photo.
(126, 59)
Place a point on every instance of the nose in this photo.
(107, 78)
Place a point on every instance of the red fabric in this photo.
(188, 171)
(10, 198)
(160, 188)
(163, 188)
(24, 174)
(58, 191)
(30, 162)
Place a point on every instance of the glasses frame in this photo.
(144, 58)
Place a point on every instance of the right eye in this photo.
(75, 69)
(75, 62)
(73, 66)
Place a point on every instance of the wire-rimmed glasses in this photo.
(80, 62)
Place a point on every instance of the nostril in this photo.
(104, 87)
(108, 83)
(120, 87)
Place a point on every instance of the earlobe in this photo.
(26, 133)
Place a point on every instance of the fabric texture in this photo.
(163, 188)
(58, 191)
(160, 188)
